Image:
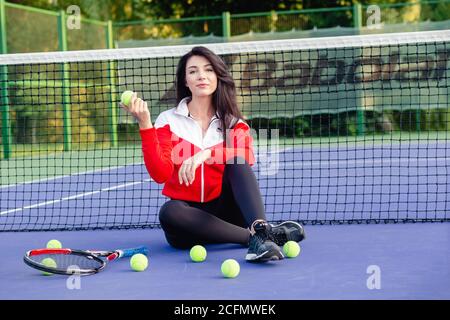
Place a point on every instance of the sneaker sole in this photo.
(263, 257)
(291, 223)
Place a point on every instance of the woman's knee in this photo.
(169, 211)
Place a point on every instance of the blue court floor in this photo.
(394, 261)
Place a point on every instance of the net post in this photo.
(62, 42)
(112, 88)
(226, 25)
(6, 123)
(418, 114)
(357, 24)
(62, 32)
(3, 42)
(360, 128)
(273, 20)
(357, 16)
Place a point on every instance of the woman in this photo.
(214, 195)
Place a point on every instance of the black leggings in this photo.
(222, 220)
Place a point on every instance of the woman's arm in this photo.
(156, 143)
(157, 150)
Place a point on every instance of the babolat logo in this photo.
(297, 73)
(300, 70)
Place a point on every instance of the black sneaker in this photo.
(287, 231)
(261, 248)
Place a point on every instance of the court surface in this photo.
(406, 261)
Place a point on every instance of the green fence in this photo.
(28, 29)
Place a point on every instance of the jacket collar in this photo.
(182, 109)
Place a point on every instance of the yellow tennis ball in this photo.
(139, 262)
(54, 244)
(48, 262)
(198, 253)
(230, 268)
(291, 249)
(126, 97)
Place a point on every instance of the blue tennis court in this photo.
(336, 262)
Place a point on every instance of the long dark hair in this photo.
(224, 98)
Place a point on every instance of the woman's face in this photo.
(200, 76)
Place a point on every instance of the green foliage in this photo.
(38, 31)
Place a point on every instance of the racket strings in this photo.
(67, 261)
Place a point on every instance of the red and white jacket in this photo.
(176, 137)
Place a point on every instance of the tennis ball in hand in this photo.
(54, 244)
(230, 268)
(198, 253)
(291, 249)
(48, 262)
(126, 98)
(139, 262)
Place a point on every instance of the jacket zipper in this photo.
(202, 185)
(202, 195)
(202, 181)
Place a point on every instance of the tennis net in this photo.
(346, 129)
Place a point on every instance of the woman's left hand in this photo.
(186, 174)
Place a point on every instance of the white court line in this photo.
(320, 163)
(69, 175)
(72, 197)
(299, 163)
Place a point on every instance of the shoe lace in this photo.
(261, 235)
(256, 241)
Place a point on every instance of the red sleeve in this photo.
(157, 150)
(240, 145)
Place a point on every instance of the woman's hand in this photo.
(139, 110)
(186, 174)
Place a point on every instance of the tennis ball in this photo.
(48, 262)
(126, 97)
(198, 253)
(54, 244)
(230, 268)
(139, 262)
(291, 249)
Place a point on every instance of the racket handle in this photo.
(132, 251)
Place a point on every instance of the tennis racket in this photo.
(70, 261)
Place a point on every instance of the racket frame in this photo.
(88, 254)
